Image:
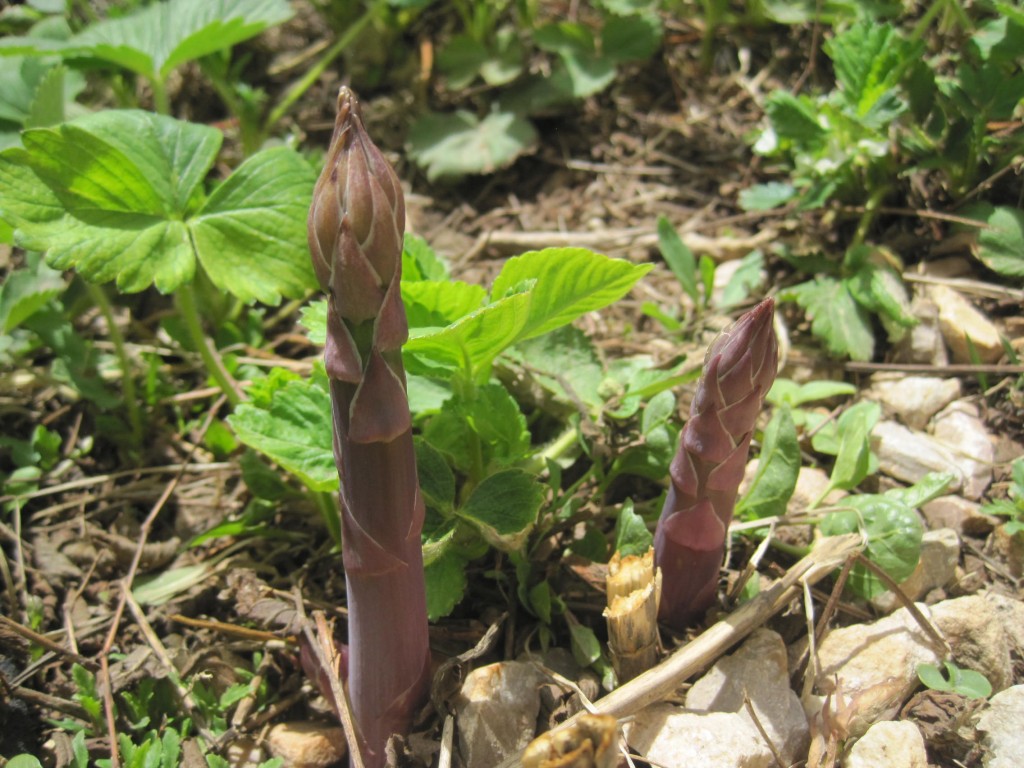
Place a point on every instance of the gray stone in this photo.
(913, 399)
(963, 516)
(891, 744)
(908, 455)
(671, 736)
(759, 669)
(1000, 725)
(923, 344)
(496, 712)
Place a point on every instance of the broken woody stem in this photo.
(356, 224)
(689, 542)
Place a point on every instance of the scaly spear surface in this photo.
(356, 225)
(689, 541)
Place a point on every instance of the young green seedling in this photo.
(355, 238)
(690, 538)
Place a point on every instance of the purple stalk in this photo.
(689, 541)
(356, 224)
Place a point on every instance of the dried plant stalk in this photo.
(356, 225)
(690, 538)
(633, 588)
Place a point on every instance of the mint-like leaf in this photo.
(445, 583)
(504, 508)
(118, 195)
(293, 430)
(632, 537)
(457, 144)
(836, 318)
(160, 37)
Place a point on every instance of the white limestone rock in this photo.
(913, 400)
(975, 631)
(873, 666)
(959, 320)
(908, 455)
(894, 744)
(960, 427)
(1000, 726)
(672, 736)
(760, 670)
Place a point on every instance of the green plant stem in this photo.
(328, 507)
(313, 74)
(211, 358)
(553, 451)
(868, 217)
(127, 379)
(161, 101)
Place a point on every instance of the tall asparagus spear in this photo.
(690, 538)
(356, 224)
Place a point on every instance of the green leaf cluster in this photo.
(120, 195)
(1011, 507)
(583, 61)
(841, 305)
(966, 682)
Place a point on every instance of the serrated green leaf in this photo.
(162, 36)
(634, 37)
(445, 580)
(486, 426)
(569, 283)
(24, 761)
(313, 317)
(574, 43)
(437, 483)
(294, 430)
(881, 289)
(534, 293)
(420, 261)
(794, 118)
(632, 537)
(894, 532)
(777, 470)
(836, 318)
(679, 257)
(250, 234)
(438, 303)
(566, 363)
(869, 59)
(113, 195)
(458, 144)
(25, 292)
(504, 508)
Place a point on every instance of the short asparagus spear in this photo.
(356, 224)
(690, 538)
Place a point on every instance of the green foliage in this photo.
(892, 528)
(1000, 240)
(583, 61)
(777, 470)
(1012, 507)
(119, 195)
(966, 682)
